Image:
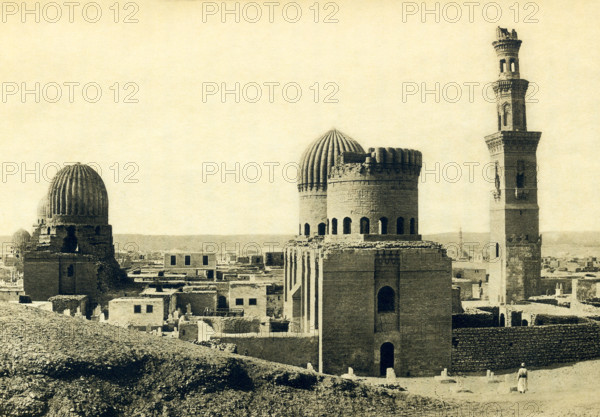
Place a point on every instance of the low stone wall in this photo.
(546, 319)
(547, 286)
(294, 350)
(233, 324)
(10, 294)
(496, 348)
(482, 319)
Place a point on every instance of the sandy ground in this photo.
(567, 390)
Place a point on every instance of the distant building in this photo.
(250, 296)
(573, 266)
(586, 290)
(275, 300)
(230, 257)
(274, 259)
(193, 264)
(468, 290)
(168, 295)
(473, 272)
(202, 301)
(139, 312)
(255, 260)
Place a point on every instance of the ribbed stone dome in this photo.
(320, 156)
(77, 195)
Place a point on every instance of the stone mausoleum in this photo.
(71, 249)
(358, 274)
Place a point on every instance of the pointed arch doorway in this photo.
(386, 357)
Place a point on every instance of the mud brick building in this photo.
(515, 263)
(358, 273)
(193, 264)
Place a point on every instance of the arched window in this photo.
(347, 225)
(383, 226)
(413, 226)
(512, 65)
(364, 226)
(334, 226)
(505, 114)
(502, 65)
(497, 250)
(306, 229)
(400, 226)
(385, 300)
(70, 271)
(70, 241)
(321, 229)
(499, 122)
(520, 174)
(221, 302)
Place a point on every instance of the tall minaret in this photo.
(515, 261)
(461, 250)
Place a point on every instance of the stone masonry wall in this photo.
(585, 289)
(199, 301)
(374, 195)
(313, 210)
(353, 331)
(296, 351)
(506, 347)
(347, 306)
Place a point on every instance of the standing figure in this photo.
(522, 379)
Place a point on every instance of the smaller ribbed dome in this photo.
(320, 156)
(21, 237)
(77, 195)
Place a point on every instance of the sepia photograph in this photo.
(299, 208)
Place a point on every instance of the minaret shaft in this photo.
(514, 213)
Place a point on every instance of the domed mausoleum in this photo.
(21, 237)
(359, 276)
(71, 250)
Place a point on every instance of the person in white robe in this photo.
(522, 379)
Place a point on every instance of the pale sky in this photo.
(172, 133)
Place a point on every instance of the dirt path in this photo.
(568, 390)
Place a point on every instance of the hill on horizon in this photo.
(553, 243)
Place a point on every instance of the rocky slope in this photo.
(53, 365)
